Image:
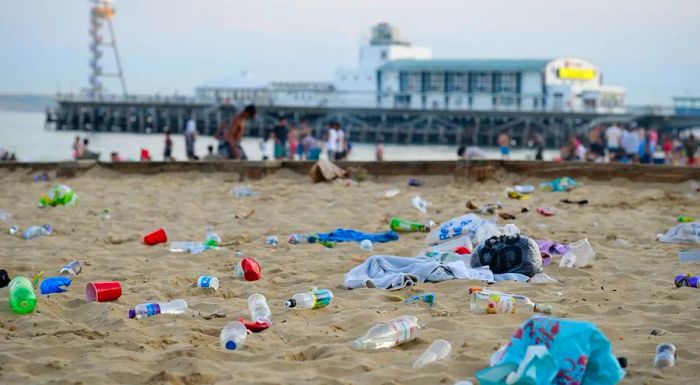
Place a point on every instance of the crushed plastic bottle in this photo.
(233, 335)
(178, 306)
(259, 311)
(36, 231)
(272, 240)
(60, 195)
(389, 334)
(366, 245)
(208, 282)
(665, 356)
(489, 301)
(438, 350)
(313, 299)
(211, 237)
(391, 193)
(298, 238)
(187, 246)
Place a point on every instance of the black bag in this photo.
(509, 254)
(4, 278)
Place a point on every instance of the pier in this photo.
(407, 126)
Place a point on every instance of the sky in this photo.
(650, 47)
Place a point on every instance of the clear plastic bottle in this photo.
(511, 229)
(178, 306)
(491, 303)
(211, 235)
(298, 238)
(233, 335)
(388, 334)
(438, 350)
(259, 311)
(187, 246)
(208, 282)
(310, 300)
(36, 231)
(72, 268)
(568, 260)
(21, 295)
(665, 356)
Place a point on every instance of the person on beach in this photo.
(342, 146)
(630, 145)
(379, 149)
(646, 149)
(612, 141)
(690, 147)
(190, 138)
(538, 143)
(168, 149)
(77, 148)
(331, 141)
(281, 131)
(504, 144)
(667, 146)
(236, 131)
(293, 142)
(210, 154)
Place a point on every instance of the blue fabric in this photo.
(350, 235)
(546, 350)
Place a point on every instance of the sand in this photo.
(628, 292)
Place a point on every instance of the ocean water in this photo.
(23, 133)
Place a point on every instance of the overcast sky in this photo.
(651, 47)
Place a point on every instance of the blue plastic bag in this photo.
(554, 351)
(53, 285)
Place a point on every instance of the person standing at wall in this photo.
(504, 144)
(190, 138)
(237, 129)
(342, 147)
(613, 134)
(331, 141)
(691, 146)
(168, 150)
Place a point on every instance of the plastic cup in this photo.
(155, 237)
(585, 255)
(103, 291)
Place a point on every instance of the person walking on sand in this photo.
(235, 133)
(190, 138)
(504, 144)
(168, 150)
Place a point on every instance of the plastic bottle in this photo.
(491, 303)
(665, 356)
(72, 268)
(259, 311)
(388, 334)
(211, 236)
(21, 295)
(366, 245)
(36, 231)
(420, 204)
(233, 335)
(391, 193)
(187, 246)
(310, 300)
(207, 281)
(438, 350)
(524, 189)
(105, 215)
(398, 224)
(518, 301)
(178, 306)
(298, 238)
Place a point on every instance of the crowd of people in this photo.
(630, 144)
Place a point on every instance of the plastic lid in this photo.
(290, 303)
(230, 345)
(132, 313)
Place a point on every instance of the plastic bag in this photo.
(466, 225)
(516, 254)
(682, 233)
(60, 195)
(420, 204)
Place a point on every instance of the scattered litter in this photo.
(560, 184)
(524, 189)
(243, 191)
(686, 256)
(665, 356)
(60, 195)
(420, 204)
(512, 194)
(581, 202)
(325, 171)
(398, 224)
(272, 240)
(54, 285)
(506, 216)
(73, 268)
(497, 253)
(5, 216)
(390, 193)
(490, 208)
(682, 233)
(542, 279)
(438, 350)
(685, 219)
(244, 215)
(415, 182)
(686, 280)
(547, 211)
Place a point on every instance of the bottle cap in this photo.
(132, 313)
(230, 345)
(290, 303)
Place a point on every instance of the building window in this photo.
(507, 82)
(410, 81)
(482, 82)
(457, 82)
(436, 81)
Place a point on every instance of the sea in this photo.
(23, 133)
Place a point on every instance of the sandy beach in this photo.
(628, 292)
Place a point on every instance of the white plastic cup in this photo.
(585, 255)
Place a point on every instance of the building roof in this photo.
(466, 65)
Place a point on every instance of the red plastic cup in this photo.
(155, 237)
(251, 269)
(103, 291)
